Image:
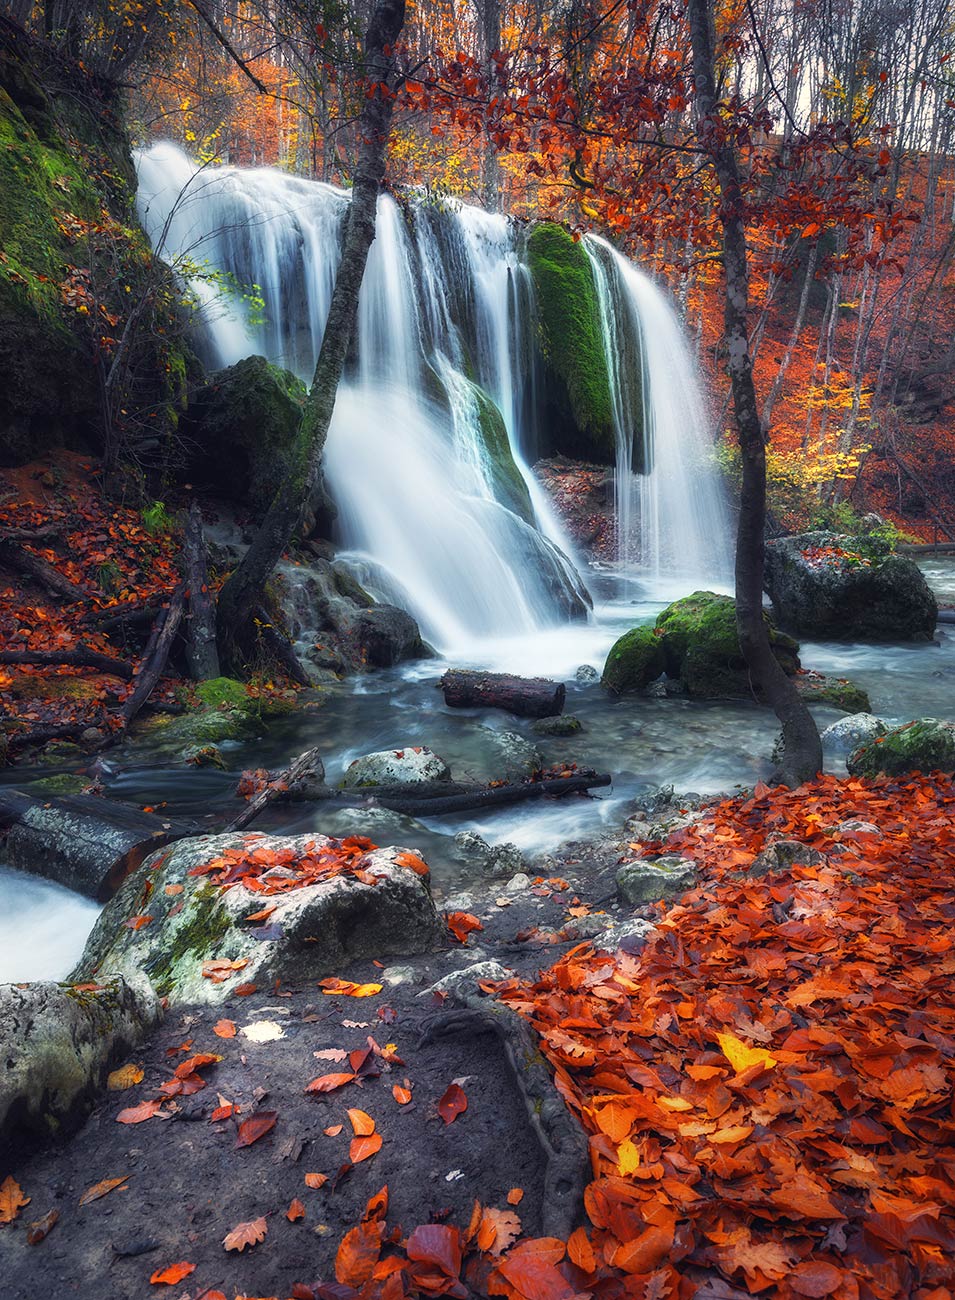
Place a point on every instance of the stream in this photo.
(646, 743)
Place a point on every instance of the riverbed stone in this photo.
(631, 935)
(464, 983)
(57, 1043)
(586, 675)
(782, 855)
(837, 588)
(851, 732)
(511, 756)
(314, 929)
(566, 725)
(839, 692)
(416, 765)
(639, 883)
(926, 745)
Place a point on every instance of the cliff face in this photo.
(91, 351)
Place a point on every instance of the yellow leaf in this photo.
(127, 1076)
(628, 1157)
(741, 1056)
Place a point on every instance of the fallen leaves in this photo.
(12, 1199)
(127, 1076)
(348, 989)
(461, 924)
(41, 1228)
(295, 1211)
(330, 1082)
(316, 1180)
(246, 1234)
(172, 1274)
(224, 1029)
(136, 1114)
(220, 969)
(255, 1127)
(453, 1103)
(102, 1189)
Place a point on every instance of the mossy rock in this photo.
(51, 787)
(817, 688)
(243, 425)
(634, 661)
(506, 481)
(578, 399)
(701, 647)
(926, 745)
(190, 731)
(223, 692)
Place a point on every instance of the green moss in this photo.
(197, 936)
(816, 688)
(701, 647)
(571, 338)
(507, 482)
(925, 745)
(64, 783)
(223, 693)
(634, 661)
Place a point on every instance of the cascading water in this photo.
(427, 457)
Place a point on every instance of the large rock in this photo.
(646, 881)
(314, 930)
(925, 745)
(58, 1041)
(822, 585)
(849, 733)
(415, 765)
(241, 428)
(635, 660)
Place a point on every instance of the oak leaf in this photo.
(246, 1234)
(12, 1199)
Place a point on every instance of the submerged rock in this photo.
(565, 725)
(314, 929)
(851, 732)
(821, 585)
(926, 745)
(58, 1041)
(817, 688)
(414, 766)
(646, 881)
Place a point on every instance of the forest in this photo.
(477, 649)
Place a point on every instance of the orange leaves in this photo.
(246, 1234)
(316, 1180)
(255, 1127)
(740, 1056)
(127, 1076)
(329, 1082)
(358, 1254)
(348, 989)
(361, 1123)
(224, 1029)
(413, 863)
(102, 1189)
(266, 870)
(461, 924)
(12, 1200)
(136, 1114)
(362, 1148)
(453, 1103)
(221, 969)
(172, 1274)
(295, 1211)
(402, 1095)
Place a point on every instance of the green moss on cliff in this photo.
(507, 482)
(571, 335)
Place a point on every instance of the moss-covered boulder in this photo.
(241, 428)
(925, 745)
(315, 929)
(701, 647)
(504, 478)
(839, 692)
(634, 661)
(842, 588)
(577, 398)
(75, 267)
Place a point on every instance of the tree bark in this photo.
(526, 697)
(80, 657)
(155, 655)
(201, 653)
(243, 589)
(802, 750)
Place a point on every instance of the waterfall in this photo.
(435, 426)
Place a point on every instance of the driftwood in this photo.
(527, 697)
(444, 797)
(280, 647)
(562, 1140)
(24, 561)
(280, 786)
(156, 654)
(41, 735)
(201, 653)
(81, 841)
(926, 548)
(81, 657)
(122, 616)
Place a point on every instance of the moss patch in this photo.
(925, 745)
(634, 661)
(197, 936)
(223, 692)
(572, 344)
(507, 482)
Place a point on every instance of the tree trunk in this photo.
(243, 589)
(526, 697)
(201, 654)
(802, 750)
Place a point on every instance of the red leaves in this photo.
(453, 1103)
(136, 1114)
(358, 1254)
(461, 924)
(172, 1274)
(329, 1082)
(266, 870)
(255, 1127)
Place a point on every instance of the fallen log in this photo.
(52, 581)
(445, 797)
(122, 616)
(527, 697)
(81, 657)
(281, 786)
(201, 653)
(156, 654)
(42, 735)
(84, 842)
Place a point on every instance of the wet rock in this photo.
(818, 688)
(836, 587)
(851, 732)
(511, 755)
(782, 855)
(463, 983)
(496, 862)
(566, 725)
(647, 881)
(926, 745)
(586, 675)
(57, 1044)
(204, 756)
(517, 884)
(856, 826)
(630, 935)
(414, 766)
(314, 929)
(635, 660)
(395, 975)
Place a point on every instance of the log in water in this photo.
(527, 697)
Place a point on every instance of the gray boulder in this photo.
(565, 725)
(463, 983)
(639, 883)
(821, 585)
(413, 766)
(782, 855)
(497, 861)
(631, 935)
(586, 675)
(314, 929)
(851, 732)
(57, 1043)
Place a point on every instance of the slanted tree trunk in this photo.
(802, 750)
(201, 654)
(243, 589)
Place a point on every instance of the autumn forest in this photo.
(477, 649)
